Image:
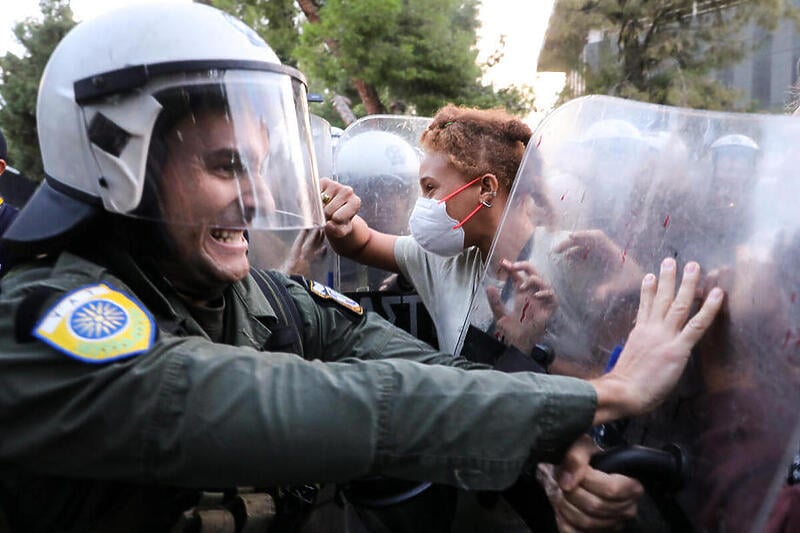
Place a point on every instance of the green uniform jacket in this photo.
(367, 398)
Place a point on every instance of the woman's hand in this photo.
(340, 205)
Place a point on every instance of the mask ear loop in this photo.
(466, 185)
(480, 205)
(483, 203)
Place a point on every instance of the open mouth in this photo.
(227, 236)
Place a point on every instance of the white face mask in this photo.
(432, 228)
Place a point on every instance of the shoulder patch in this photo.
(326, 293)
(97, 324)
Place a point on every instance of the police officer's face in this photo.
(211, 188)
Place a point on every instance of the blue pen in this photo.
(600, 433)
(612, 359)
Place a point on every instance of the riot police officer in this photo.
(144, 361)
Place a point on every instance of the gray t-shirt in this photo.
(444, 284)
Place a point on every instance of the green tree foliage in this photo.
(662, 51)
(277, 21)
(418, 52)
(19, 82)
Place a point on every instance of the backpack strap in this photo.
(286, 335)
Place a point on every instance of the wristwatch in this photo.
(543, 354)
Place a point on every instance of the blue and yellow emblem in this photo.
(97, 324)
(325, 292)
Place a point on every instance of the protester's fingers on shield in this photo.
(525, 266)
(665, 293)
(591, 238)
(702, 320)
(546, 295)
(679, 310)
(515, 274)
(495, 302)
(575, 253)
(646, 297)
(565, 244)
(531, 278)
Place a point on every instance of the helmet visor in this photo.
(232, 150)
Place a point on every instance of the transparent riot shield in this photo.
(614, 187)
(322, 138)
(302, 252)
(378, 156)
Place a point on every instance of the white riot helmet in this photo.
(736, 141)
(383, 169)
(376, 153)
(612, 130)
(117, 85)
(734, 154)
(612, 141)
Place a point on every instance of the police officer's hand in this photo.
(588, 499)
(534, 304)
(657, 350)
(340, 205)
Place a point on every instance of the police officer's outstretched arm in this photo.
(349, 234)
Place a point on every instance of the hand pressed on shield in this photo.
(534, 304)
(658, 348)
